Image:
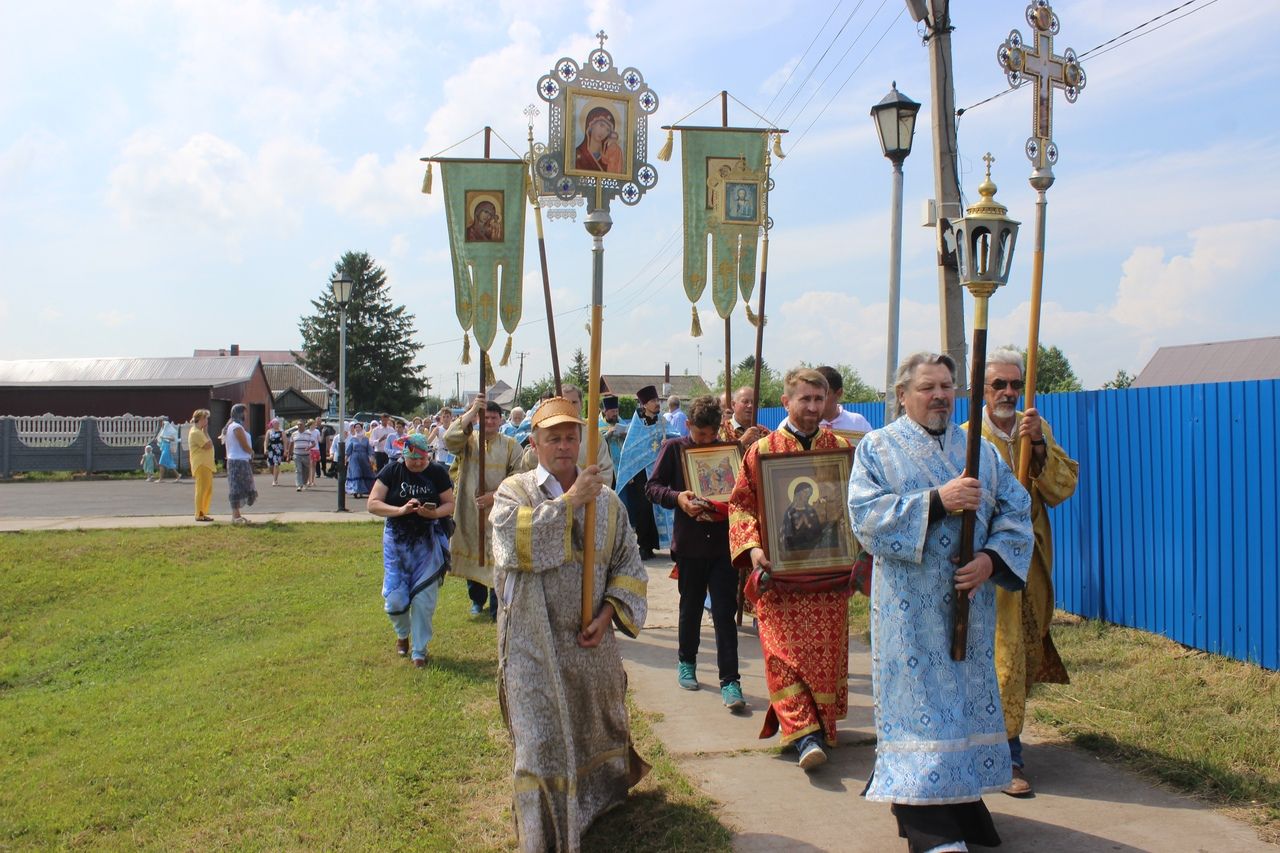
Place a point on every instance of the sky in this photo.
(183, 175)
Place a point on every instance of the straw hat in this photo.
(554, 411)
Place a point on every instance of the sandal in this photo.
(204, 518)
(241, 521)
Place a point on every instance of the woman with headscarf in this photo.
(200, 452)
(275, 449)
(241, 490)
(359, 458)
(415, 496)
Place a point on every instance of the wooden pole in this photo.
(542, 260)
(482, 415)
(1041, 182)
(973, 455)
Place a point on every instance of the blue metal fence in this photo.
(1173, 528)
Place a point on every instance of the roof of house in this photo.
(291, 375)
(627, 384)
(267, 355)
(178, 372)
(1217, 361)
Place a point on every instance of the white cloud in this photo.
(114, 318)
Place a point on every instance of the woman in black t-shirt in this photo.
(415, 496)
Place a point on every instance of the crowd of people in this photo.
(507, 513)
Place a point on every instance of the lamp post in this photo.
(342, 286)
(895, 117)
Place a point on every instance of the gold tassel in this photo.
(506, 353)
(696, 328)
(587, 326)
(751, 316)
(489, 379)
(426, 180)
(466, 348)
(665, 154)
(777, 147)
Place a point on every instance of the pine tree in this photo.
(381, 375)
(579, 372)
(1124, 379)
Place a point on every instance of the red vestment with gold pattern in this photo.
(804, 635)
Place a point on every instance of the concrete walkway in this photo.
(1081, 804)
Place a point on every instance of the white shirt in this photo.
(847, 420)
(234, 450)
(552, 486)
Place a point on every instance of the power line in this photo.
(827, 50)
(800, 61)
(843, 57)
(821, 112)
(1110, 45)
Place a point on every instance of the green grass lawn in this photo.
(236, 688)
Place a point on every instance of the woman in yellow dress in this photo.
(201, 453)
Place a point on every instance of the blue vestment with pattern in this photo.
(640, 453)
(940, 735)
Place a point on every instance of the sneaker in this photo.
(731, 693)
(811, 754)
(687, 676)
(475, 609)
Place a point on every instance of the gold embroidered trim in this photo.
(786, 692)
(524, 538)
(626, 583)
(620, 613)
(799, 733)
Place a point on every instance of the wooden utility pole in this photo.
(946, 187)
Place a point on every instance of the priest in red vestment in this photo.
(804, 622)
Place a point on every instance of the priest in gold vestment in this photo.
(563, 689)
(1025, 653)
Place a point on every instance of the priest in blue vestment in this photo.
(941, 740)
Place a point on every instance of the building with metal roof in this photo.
(174, 387)
(1217, 361)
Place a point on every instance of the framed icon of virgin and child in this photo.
(803, 511)
(600, 133)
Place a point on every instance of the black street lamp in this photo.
(342, 287)
(895, 119)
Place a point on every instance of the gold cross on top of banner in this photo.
(1047, 70)
(602, 38)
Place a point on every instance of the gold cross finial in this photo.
(1035, 62)
(602, 37)
(531, 112)
(988, 159)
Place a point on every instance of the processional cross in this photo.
(602, 37)
(1048, 71)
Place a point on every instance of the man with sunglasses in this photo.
(1025, 653)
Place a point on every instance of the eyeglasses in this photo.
(1000, 384)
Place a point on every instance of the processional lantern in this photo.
(985, 238)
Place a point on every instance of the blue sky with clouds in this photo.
(176, 175)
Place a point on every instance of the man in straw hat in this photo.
(563, 689)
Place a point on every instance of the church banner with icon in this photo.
(725, 196)
(484, 202)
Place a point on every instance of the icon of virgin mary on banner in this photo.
(484, 205)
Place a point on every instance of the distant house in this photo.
(1219, 361)
(627, 384)
(139, 386)
(295, 391)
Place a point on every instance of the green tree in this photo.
(532, 392)
(1054, 374)
(579, 372)
(744, 376)
(1124, 379)
(855, 390)
(381, 375)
